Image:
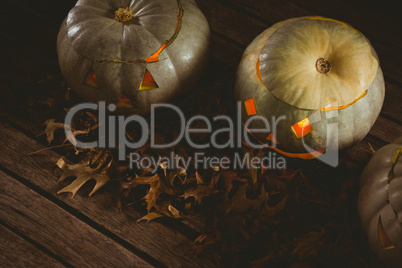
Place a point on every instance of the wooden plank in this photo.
(57, 230)
(28, 30)
(243, 21)
(23, 65)
(367, 18)
(392, 107)
(17, 252)
(172, 250)
(386, 130)
(225, 52)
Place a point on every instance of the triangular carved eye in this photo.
(272, 138)
(148, 82)
(385, 241)
(90, 79)
(124, 102)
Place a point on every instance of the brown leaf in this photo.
(310, 244)
(49, 101)
(229, 176)
(167, 209)
(157, 187)
(201, 191)
(240, 203)
(51, 127)
(268, 212)
(371, 148)
(205, 240)
(151, 216)
(83, 173)
(199, 178)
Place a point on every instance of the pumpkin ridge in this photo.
(106, 18)
(348, 89)
(155, 57)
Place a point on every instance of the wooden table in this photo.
(40, 228)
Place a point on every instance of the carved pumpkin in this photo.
(133, 53)
(380, 203)
(322, 75)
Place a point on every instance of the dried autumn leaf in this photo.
(206, 240)
(179, 173)
(51, 127)
(199, 178)
(174, 211)
(240, 203)
(83, 173)
(157, 187)
(150, 216)
(270, 212)
(229, 176)
(371, 148)
(167, 209)
(253, 169)
(310, 244)
(49, 101)
(201, 191)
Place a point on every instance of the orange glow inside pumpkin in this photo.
(383, 236)
(310, 155)
(148, 82)
(124, 102)
(258, 70)
(250, 107)
(302, 128)
(272, 138)
(90, 79)
(343, 106)
(155, 56)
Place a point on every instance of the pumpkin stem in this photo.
(323, 66)
(123, 14)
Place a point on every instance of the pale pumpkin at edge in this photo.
(380, 198)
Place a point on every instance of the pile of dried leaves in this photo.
(303, 216)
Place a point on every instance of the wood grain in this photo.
(169, 247)
(57, 230)
(17, 252)
(376, 20)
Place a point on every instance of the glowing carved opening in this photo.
(124, 102)
(302, 128)
(310, 155)
(148, 82)
(90, 79)
(272, 138)
(250, 107)
(383, 236)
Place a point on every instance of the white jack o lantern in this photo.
(320, 78)
(133, 52)
(380, 203)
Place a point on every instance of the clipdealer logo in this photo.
(112, 135)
